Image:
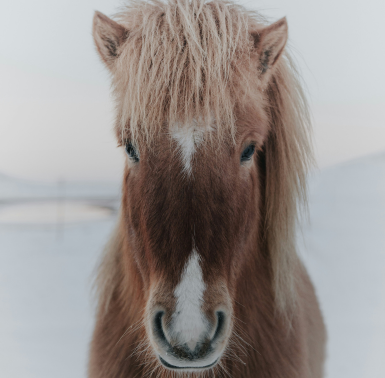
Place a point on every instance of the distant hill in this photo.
(13, 189)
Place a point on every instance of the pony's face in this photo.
(191, 200)
(191, 208)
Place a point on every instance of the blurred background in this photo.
(60, 172)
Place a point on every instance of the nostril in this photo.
(158, 327)
(221, 318)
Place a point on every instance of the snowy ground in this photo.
(45, 269)
(345, 253)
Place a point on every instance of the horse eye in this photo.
(247, 153)
(131, 152)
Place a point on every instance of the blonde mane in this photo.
(193, 59)
(289, 156)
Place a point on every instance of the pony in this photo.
(201, 276)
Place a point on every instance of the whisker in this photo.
(137, 325)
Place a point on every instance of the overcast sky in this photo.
(56, 113)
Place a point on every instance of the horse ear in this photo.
(108, 37)
(270, 43)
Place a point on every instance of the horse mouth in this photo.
(168, 365)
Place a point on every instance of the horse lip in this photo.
(168, 365)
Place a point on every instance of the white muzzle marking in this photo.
(189, 323)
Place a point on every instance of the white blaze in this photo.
(189, 322)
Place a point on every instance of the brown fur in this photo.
(176, 63)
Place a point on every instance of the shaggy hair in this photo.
(183, 60)
(288, 159)
(194, 59)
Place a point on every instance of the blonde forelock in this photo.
(183, 60)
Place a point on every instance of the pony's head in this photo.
(209, 116)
